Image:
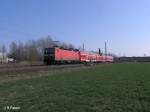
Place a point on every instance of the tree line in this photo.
(32, 50)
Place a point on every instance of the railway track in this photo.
(18, 65)
(35, 68)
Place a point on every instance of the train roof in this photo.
(70, 49)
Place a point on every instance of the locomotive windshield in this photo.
(49, 50)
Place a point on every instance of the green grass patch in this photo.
(108, 88)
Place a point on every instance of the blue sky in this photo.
(124, 24)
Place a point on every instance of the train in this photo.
(56, 55)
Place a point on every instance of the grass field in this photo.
(109, 88)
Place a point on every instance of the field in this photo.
(123, 87)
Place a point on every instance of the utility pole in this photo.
(83, 46)
(105, 51)
(105, 48)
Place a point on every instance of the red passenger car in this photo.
(109, 58)
(92, 57)
(83, 56)
(99, 58)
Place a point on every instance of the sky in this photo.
(123, 24)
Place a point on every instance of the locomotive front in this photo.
(49, 56)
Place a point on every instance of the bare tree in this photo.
(20, 52)
(33, 54)
(4, 52)
(13, 50)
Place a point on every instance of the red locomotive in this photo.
(56, 55)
